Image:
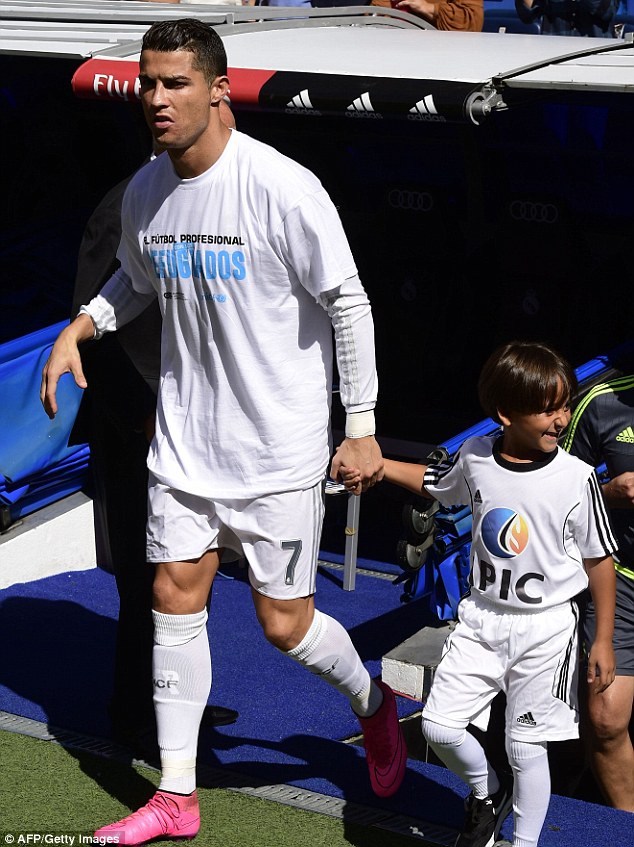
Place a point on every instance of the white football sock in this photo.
(531, 790)
(181, 672)
(463, 755)
(327, 651)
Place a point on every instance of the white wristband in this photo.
(360, 424)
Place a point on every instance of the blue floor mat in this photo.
(58, 641)
(59, 635)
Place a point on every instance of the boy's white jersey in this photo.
(238, 257)
(533, 524)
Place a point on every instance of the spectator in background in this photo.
(589, 18)
(284, 3)
(602, 430)
(463, 15)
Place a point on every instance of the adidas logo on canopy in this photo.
(425, 110)
(301, 103)
(362, 107)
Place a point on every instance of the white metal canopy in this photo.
(393, 58)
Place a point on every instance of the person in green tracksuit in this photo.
(602, 431)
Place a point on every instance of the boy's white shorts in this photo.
(278, 534)
(531, 656)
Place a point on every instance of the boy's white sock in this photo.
(463, 755)
(531, 792)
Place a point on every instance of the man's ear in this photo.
(219, 89)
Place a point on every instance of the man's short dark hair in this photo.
(526, 377)
(194, 36)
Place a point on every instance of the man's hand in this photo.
(364, 456)
(601, 666)
(619, 491)
(65, 358)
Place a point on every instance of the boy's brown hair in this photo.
(526, 377)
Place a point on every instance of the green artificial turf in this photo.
(57, 794)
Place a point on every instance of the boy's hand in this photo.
(601, 666)
(351, 479)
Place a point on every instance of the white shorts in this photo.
(531, 656)
(278, 534)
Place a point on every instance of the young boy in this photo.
(540, 535)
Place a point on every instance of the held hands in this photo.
(358, 464)
(351, 478)
(601, 666)
(64, 358)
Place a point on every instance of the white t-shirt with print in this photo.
(239, 257)
(533, 524)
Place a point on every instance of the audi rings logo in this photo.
(534, 211)
(411, 201)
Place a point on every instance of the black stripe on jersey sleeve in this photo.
(435, 473)
(601, 516)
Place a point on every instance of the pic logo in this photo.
(504, 532)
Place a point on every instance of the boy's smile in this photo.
(529, 437)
